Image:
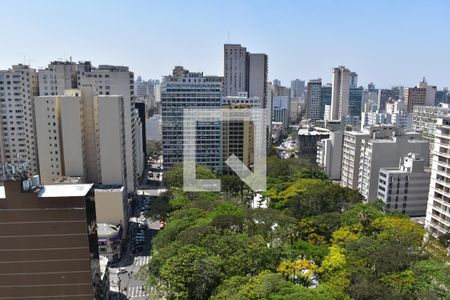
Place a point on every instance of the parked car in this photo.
(122, 270)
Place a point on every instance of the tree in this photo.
(191, 274)
(298, 271)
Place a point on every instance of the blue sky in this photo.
(388, 42)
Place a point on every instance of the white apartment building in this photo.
(438, 209)
(351, 151)
(111, 205)
(57, 77)
(425, 120)
(340, 93)
(384, 153)
(75, 143)
(18, 86)
(405, 188)
(329, 155)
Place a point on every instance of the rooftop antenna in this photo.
(228, 36)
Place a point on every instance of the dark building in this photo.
(384, 95)
(355, 101)
(48, 241)
(141, 112)
(325, 98)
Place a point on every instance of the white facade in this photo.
(329, 155)
(153, 128)
(189, 90)
(351, 151)
(340, 93)
(57, 77)
(438, 209)
(18, 86)
(405, 188)
(111, 205)
(385, 153)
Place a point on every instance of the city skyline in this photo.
(383, 42)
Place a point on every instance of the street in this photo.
(124, 280)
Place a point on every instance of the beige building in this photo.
(111, 205)
(18, 86)
(81, 135)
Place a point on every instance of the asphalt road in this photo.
(126, 285)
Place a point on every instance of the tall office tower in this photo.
(340, 93)
(74, 143)
(355, 101)
(57, 77)
(438, 210)
(245, 72)
(297, 88)
(313, 100)
(405, 188)
(276, 82)
(351, 151)
(442, 97)
(235, 70)
(384, 95)
(386, 153)
(371, 87)
(424, 120)
(257, 76)
(325, 98)
(49, 241)
(188, 90)
(18, 86)
(117, 80)
(353, 79)
(422, 94)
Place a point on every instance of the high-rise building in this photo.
(384, 95)
(235, 70)
(424, 120)
(385, 153)
(405, 188)
(188, 90)
(280, 110)
(297, 88)
(325, 99)
(353, 80)
(18, 86)
(57, 77)
(313, 100)
(245, 72)
(422, 94)
(117, 80)
(351, 151)
(329, 151)
(73, 143)
(340, 93)
(49, 241)
(442, 96)
(438, 210)
(355, 101)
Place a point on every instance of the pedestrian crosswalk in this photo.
(135, 291)
(141, 260)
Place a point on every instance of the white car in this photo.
(122, 270)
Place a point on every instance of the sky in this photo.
(392, 42)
